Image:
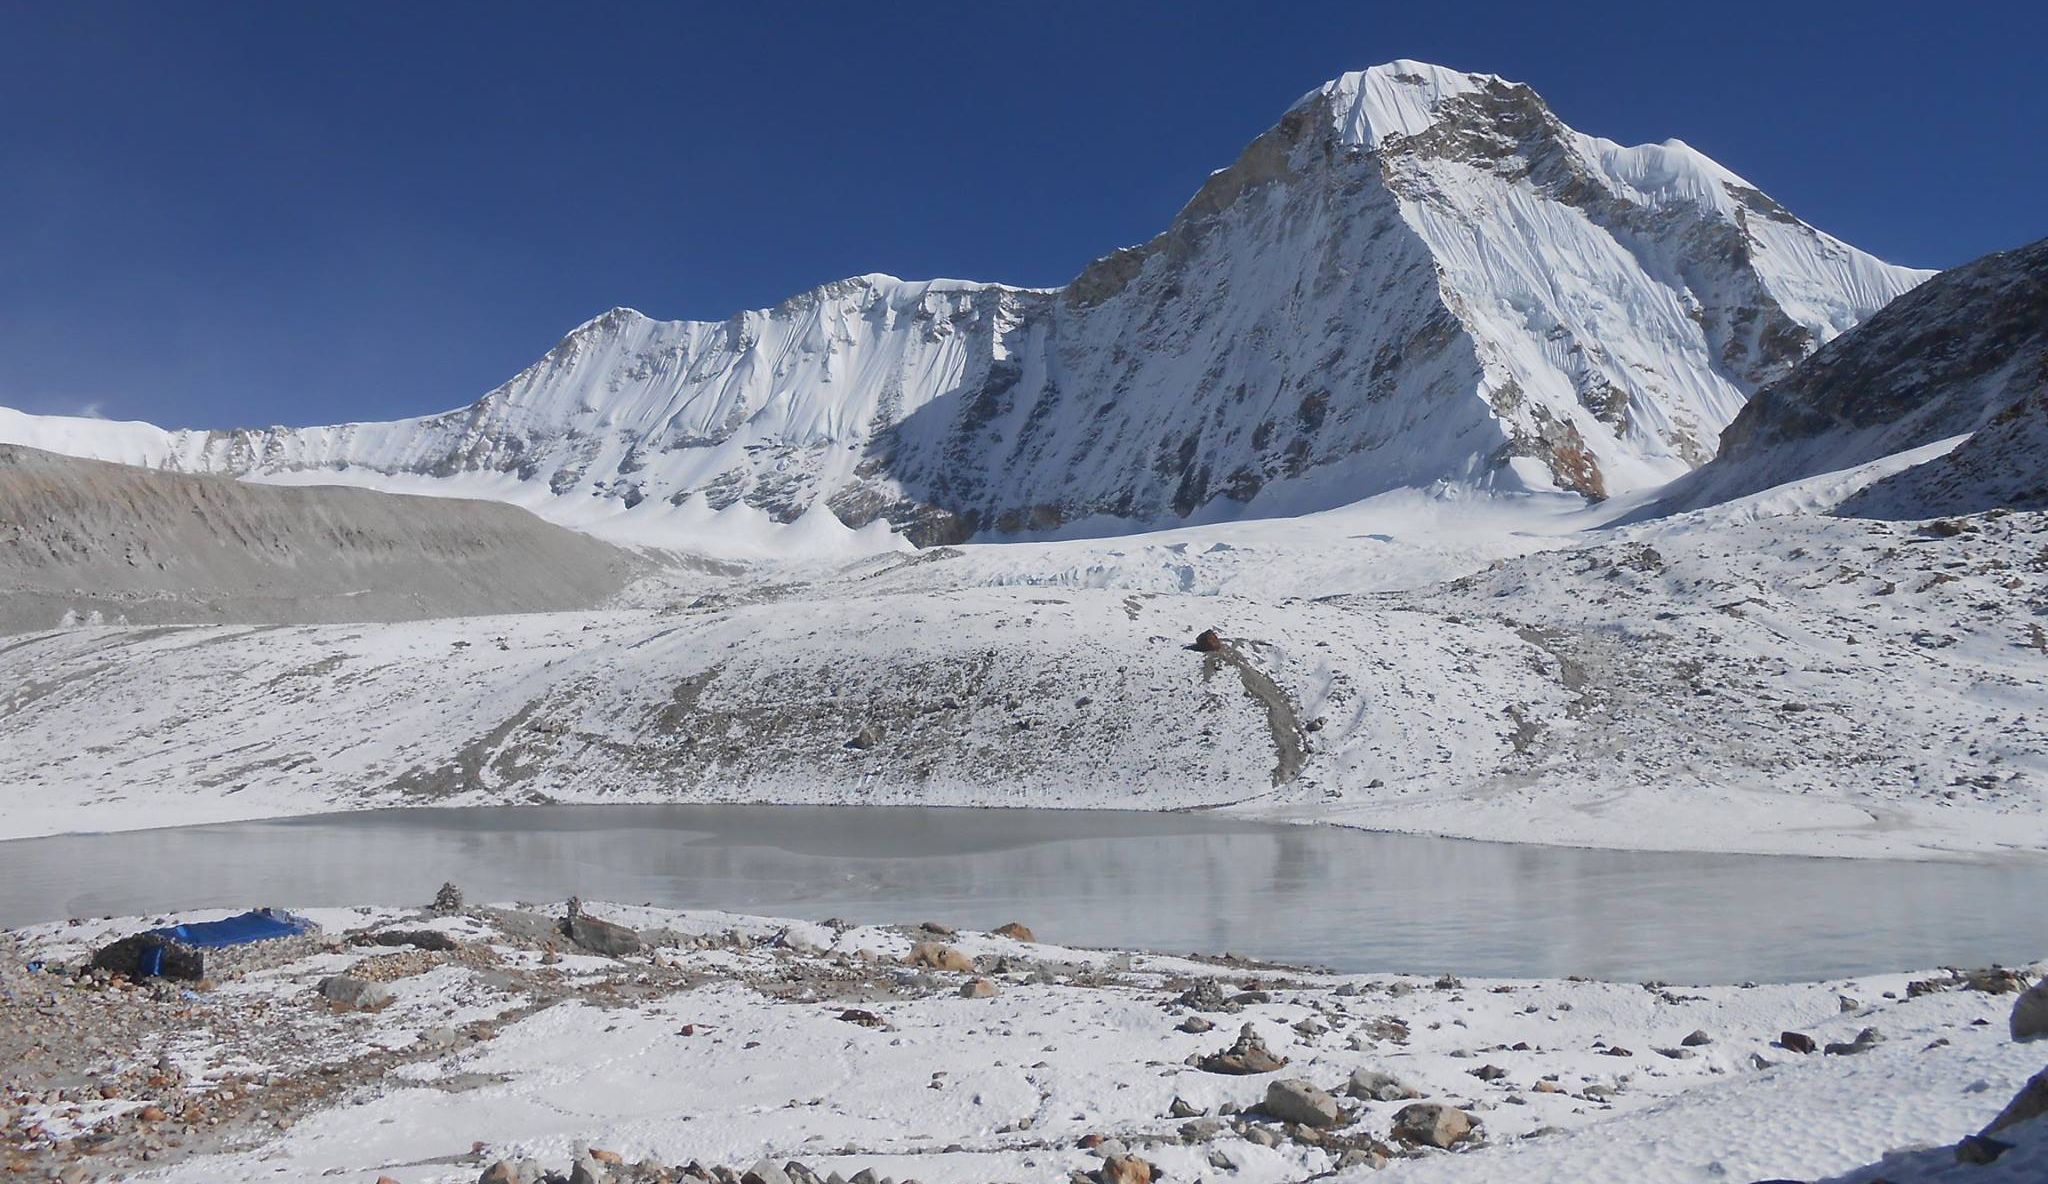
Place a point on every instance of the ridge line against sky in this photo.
(223, 215)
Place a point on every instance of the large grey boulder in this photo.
(349, 991)
(601, 937)
(1372, 1085)
(2030, 1013)
(1295, 1100)
(1431, 1124)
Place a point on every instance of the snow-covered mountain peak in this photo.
(1417, 279)
(1399, 98)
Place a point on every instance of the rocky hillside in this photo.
(1965, 353)
(83, 540)
(2003, 464)
(1417, 277)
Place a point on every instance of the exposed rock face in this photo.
(1416, 276)
(1965, 352)
(85, 537)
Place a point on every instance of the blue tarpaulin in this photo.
(259, 925)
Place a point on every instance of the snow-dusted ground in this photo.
(1748, 678)
(726, 1043)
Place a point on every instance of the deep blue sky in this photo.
(214, 215)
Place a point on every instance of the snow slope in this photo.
(1719, 681)
(1418, 278)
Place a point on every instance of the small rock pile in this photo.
(1248, 1055)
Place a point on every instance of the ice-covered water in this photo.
(1342, 898)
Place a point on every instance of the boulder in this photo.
(511, 1171)
(423, 939)
(1125, 1169)
(978, 988)
(2031, 1102)
(1248, 1055)
(1796, 1042)
(349, 991)
(1295, 1100)
(765, 1172)
(600, 937)
(1195, 1025)
(1696, 1038)
(1994, 980)
(1866, 1040)
(2030, 1013)
(524, 926)
(1207, 642)
(1431, 1124)
(1374, 1086)
(1016, 931)
(938, 956)
(589, 1171)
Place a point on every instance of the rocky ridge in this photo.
(1966, 353)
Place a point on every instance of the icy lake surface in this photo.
(1345, 899)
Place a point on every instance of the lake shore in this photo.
(480, 1035)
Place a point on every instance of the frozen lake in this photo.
(1346, 899)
